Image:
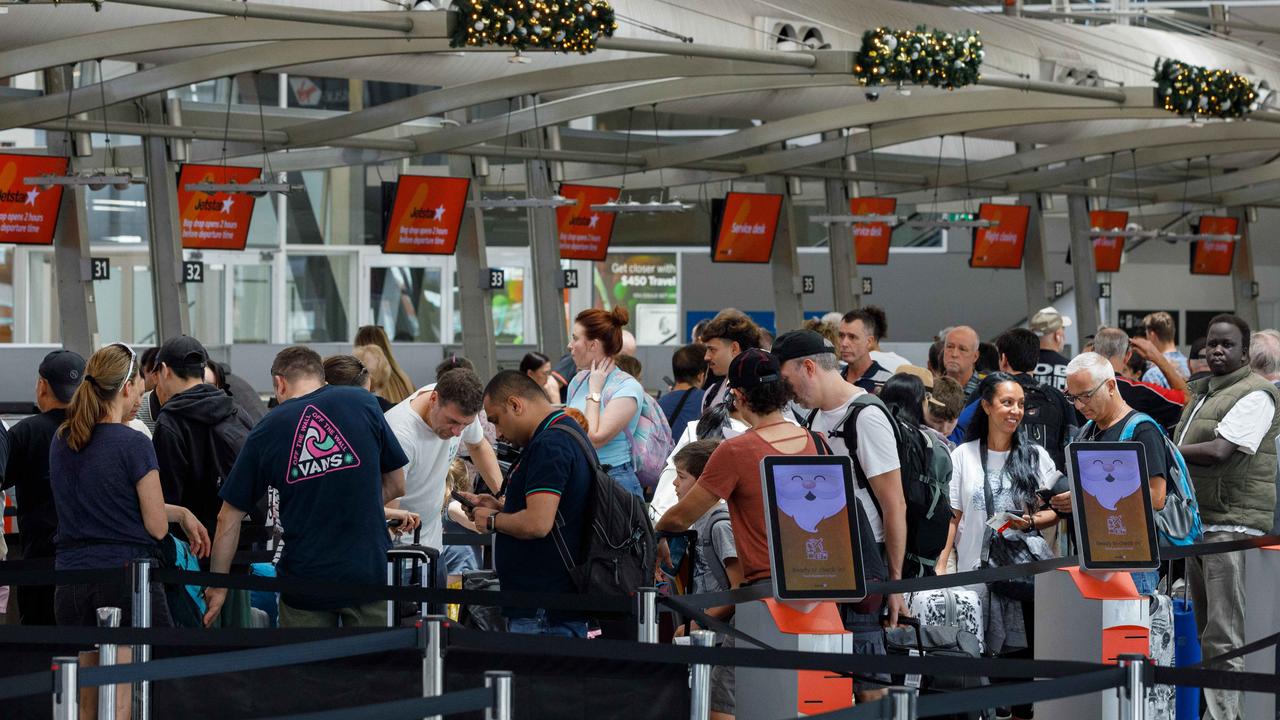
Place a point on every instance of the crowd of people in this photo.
(168, 452)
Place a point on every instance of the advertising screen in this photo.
(746, 229)
(426, 215)
(1000, 246)
(871, 240)
(813, 528)
(584, 233)
(215, 221)
(28, 214)
(1111, 500)
(1214, 257)
(1107, 251)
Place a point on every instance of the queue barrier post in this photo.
(647, 615)
(430, 632)
(66, 688)
(700, 682)
(901, 704)
(107, 617)
(500, 681)
(142, 619)
(1133, 695)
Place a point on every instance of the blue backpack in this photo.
(1178, 522)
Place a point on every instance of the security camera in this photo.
(872, 96)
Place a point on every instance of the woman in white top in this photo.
(996, 455)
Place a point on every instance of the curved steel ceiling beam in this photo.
(28, 111)
(196, 33)
(605, 72)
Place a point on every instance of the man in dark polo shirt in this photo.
(552, 478)
(27, 471)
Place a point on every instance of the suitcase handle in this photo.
(910, 622)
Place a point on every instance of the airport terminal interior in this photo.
(640, 359)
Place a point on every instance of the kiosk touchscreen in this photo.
(1111, 500)
(814, 549)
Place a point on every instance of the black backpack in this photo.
(618, 549)
(926, 482)
(1045, 420)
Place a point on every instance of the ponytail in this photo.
(105, 376)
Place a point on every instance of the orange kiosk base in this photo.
(767, 693)
(1089, 618)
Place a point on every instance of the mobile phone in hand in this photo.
(463, 499)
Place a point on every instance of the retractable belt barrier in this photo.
(411, 709)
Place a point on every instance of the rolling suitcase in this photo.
(404, 564)
(913, 638)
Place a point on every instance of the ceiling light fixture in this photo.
(949, 224)
(514, 203)
(93, 181)
(855, 219)
(632, 207)
(256, 189)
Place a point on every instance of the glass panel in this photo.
(206, 304)
(117, 217)
(508, 309)
(144, 314)
(263, 230)
(109, 301)
(42, 310)
(251, 304)
(319, 293)
(407, 302)
(6, 295)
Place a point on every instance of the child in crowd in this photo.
(576, 415)
(631, 366)
(716, 566)
(943, 414)
(457, 559)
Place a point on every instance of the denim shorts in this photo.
(625, 474)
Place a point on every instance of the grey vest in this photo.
(1241, 490)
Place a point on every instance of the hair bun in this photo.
(620, 316)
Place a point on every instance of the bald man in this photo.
(959, 356)
(628, 343)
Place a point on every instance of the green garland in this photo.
(1193, 90)
(561, 25)
(920, 57)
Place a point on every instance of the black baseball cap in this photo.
(63, 370)
(752, 368)
(182, 352)
(798, 344)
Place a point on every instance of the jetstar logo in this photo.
(13, 197)
(208, 205)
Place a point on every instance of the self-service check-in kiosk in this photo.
(816, 561)
(1093, 612)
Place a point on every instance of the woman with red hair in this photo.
(608, 397)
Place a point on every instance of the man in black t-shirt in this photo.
(551, 481)
(1091, 387)
(328, 451)
(1049, 325)
(27, 471)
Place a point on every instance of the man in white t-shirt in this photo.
(430, 424)
(809, 367)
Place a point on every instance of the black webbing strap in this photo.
(1244, 682)
(18, 577)
(1249, 649)
(37, 683)
(607, 649)
(175, 637)
(239, 660)
(412, 709)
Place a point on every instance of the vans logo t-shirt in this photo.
(318, 448)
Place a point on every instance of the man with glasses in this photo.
(431, 424)
(1162, 404)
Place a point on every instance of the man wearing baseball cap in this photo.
(27, 471)
(1048, 324)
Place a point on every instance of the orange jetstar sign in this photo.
(585, 233)
(1000, 246)
(215, 221)
(1107, 251)
(871, 240)
(1214, 257)
(28, 214)
(747, 227)
(426, 215)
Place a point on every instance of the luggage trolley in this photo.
(418, 558)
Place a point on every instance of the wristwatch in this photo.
(491, 525)
(594, 397)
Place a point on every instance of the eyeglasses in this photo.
(1086, 397)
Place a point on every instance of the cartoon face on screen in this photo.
(1108, 478)
(810, 498)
